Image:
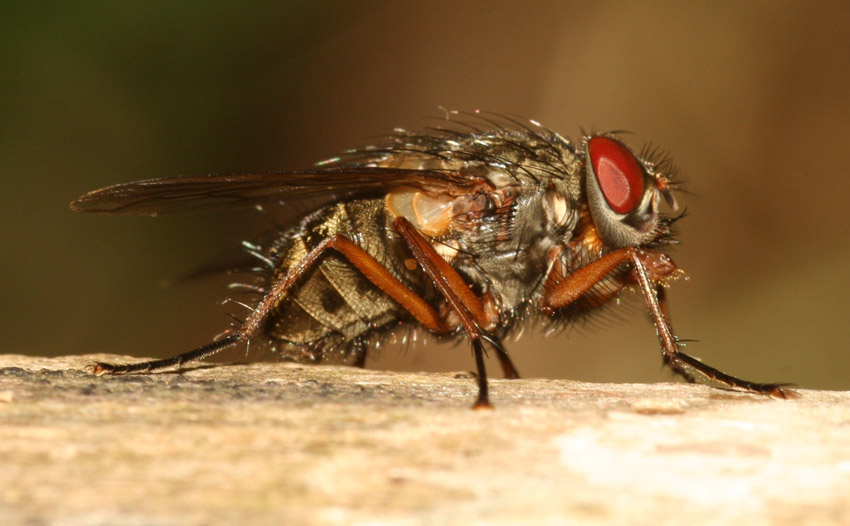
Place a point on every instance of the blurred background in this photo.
(751, 99)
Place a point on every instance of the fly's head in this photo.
(624, 191)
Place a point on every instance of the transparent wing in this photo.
(209, 192)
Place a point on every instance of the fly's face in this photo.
(623, 193)
(458, 231)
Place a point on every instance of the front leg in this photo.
(648, 268)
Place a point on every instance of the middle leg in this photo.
(462, 301)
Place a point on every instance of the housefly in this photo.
(467, 230)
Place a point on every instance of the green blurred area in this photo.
(752, 101)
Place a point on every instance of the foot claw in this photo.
(782, 392)
(102, 368)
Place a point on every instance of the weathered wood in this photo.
(284, 444)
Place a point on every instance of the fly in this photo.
(466, 230)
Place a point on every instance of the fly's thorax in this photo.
(416, 161)
(512, 245)
(497, 237)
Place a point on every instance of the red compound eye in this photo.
(618, 172)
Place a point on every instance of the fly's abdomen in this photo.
(334, 305)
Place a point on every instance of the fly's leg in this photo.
(661, 294)
(368, 265)
(359, 352)
(461, 299)
(483, 400)
(101, 368)
(649, 267)
(508, 368)
(683, 363)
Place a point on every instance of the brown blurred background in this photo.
(752, 100)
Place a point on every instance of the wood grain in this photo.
(284, 444)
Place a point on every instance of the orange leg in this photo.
(647, 268)
(456, 291)
(371, 269)
(462, 300)
(369, 266)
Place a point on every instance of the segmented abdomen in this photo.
(334, 305)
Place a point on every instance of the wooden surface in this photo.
(284, 444)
